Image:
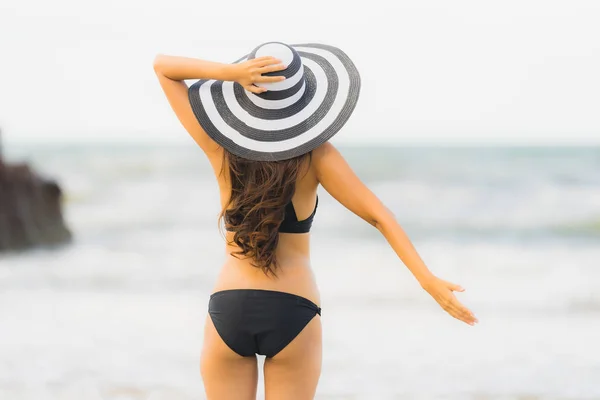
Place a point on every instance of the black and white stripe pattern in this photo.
(294, 116)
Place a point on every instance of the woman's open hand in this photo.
(249, 73)
(442, 292)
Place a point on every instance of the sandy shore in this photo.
(73, 345)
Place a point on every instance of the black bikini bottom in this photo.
(254, 321)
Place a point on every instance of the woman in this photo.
(263, 122)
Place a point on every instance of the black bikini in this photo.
(290, 223)
(252, 321)
(257, 321)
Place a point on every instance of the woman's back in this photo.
(293, 271)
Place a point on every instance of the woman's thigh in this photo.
(294, 372)
(226, 375)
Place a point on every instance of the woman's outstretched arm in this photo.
(341, 182)
(172, 71)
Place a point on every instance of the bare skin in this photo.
(293, 373)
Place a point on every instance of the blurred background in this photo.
(478, 126)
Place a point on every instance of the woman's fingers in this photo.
(266, 60)
(263, 78)
(443, 292)
(458, 311)
(255, 89)
(271, 68)
(464, 313)
(464, 310)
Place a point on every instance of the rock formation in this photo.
(30, 209)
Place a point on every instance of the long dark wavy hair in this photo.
(260, 190)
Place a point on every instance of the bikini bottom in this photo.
(256, 321)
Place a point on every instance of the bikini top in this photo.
(290, 223)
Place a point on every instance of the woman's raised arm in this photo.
(172, 71)
(336, 176)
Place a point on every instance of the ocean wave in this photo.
(578, 228)
(485, 193)
(576, 231)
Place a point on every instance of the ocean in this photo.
(118, 313)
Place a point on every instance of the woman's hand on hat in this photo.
(442, 292)
(249, 73)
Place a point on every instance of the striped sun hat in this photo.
(293, 116)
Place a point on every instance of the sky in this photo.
(433, 71)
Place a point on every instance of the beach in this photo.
(118, 314)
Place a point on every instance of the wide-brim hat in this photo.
(293, 116)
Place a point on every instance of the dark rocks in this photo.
(30, 209)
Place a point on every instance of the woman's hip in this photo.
(258, 321)
(297, 279)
